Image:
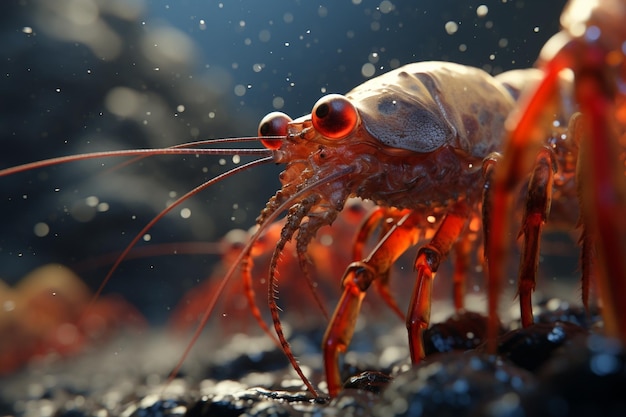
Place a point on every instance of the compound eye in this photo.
(274, 124)
(334, 116)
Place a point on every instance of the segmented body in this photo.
(419, 138)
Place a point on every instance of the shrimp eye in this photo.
(274, 124)
(334, 116)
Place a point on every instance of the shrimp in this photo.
(414, 141)
(419, 141)
(46, 312)
(590, 51)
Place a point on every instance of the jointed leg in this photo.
(357, 279)
(535, 215)
(428, 259)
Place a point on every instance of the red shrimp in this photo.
(46, 313)
(421, 142)
(418, 141)
(590, 51)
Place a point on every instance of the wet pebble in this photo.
(530, 347)
(451, 384)
(462, 331)
(572, 369)
(587, 379)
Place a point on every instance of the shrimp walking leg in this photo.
(357, 279)
(382, 217)
(535, 215)
(603, 194)
(428, 259)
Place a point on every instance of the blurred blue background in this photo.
(89, 75)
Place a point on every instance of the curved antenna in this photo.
(159, 216)
(204, 142)
(132, 152)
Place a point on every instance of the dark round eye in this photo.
(274, 124)
(334, 116)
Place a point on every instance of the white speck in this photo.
(451, 27)
(185, 213)
(147, 237)
(482, 10)
(92, 201)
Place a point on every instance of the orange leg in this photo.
(603, 194)
(588, 238)
(522, 145)
(379, 218)
(428, 259)
(357, 279)
(535, 215)
(462, 250)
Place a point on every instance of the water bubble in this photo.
(368, 69)
(41, 229)
(240, 90)
(278, 103)
(451, 27)
(386, 6)
(264, 35)
(185, 213)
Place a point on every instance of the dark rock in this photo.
(588, 378)
(368, 381)
(451, 384)
(462, 331)
(530, 347)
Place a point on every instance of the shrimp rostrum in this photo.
(415, 141)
